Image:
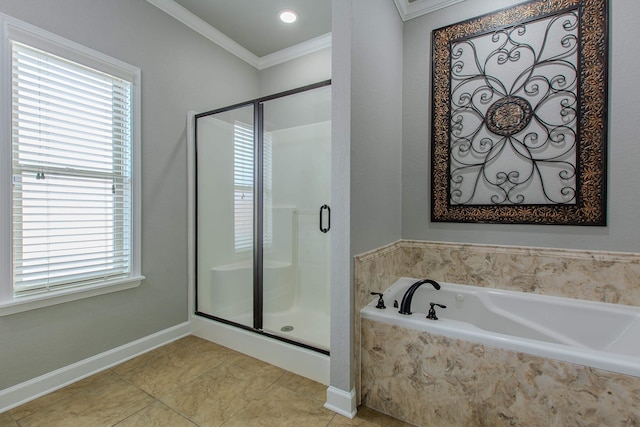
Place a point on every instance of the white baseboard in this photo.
(39, 386)
(341, 402)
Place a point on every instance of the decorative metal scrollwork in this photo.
(518, 129)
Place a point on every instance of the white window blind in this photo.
(267, 190)
(243, 187)
(71, 166)
(243, 178)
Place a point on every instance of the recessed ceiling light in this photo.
(288, 16)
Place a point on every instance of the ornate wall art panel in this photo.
(520, 115)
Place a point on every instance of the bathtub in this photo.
(594, 334)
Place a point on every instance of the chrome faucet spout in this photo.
(405, 306)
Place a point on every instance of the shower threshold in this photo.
(308, 328)
(279, 349)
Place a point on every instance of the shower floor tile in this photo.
(192, 383)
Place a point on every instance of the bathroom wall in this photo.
(311, 68)
(181, 71)
(621, 233)
(612, 277)
(341, 292)
(376, 124)
(366, 153)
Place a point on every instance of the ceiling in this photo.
(251, 30)
(254, 24)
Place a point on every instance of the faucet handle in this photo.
(432, 311)
(380, 300)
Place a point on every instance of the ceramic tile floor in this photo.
(190, 382)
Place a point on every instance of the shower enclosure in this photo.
(262, 192)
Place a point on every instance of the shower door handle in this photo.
(322, 209)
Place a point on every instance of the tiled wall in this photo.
(598, 276)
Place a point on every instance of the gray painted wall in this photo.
(341, 297)
(311, 68)
(181, 71)
(376, 124)
(366, 147)
(622, 232)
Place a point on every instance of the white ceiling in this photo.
(254, 24)
(250, 29)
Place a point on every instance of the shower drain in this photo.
(286, 328)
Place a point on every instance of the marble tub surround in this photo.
(431, 380)
(590, 275)
(612, 277)
(188, 383)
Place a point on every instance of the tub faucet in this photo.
(405, 305)
(432, 311)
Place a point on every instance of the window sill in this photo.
(32, 302)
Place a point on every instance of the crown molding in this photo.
(295, 51)
(405, 9)
(421, 7)
(200, 26)
(197, 24)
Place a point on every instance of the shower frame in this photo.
(258, 270)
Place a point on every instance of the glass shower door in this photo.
(296, 216)
(225, 215)
(263, 215)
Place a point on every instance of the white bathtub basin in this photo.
(600, 335)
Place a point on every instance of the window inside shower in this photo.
(243, 187)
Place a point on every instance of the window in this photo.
(243, 170)
(73, 169)
(267, 189)
(242, 187)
